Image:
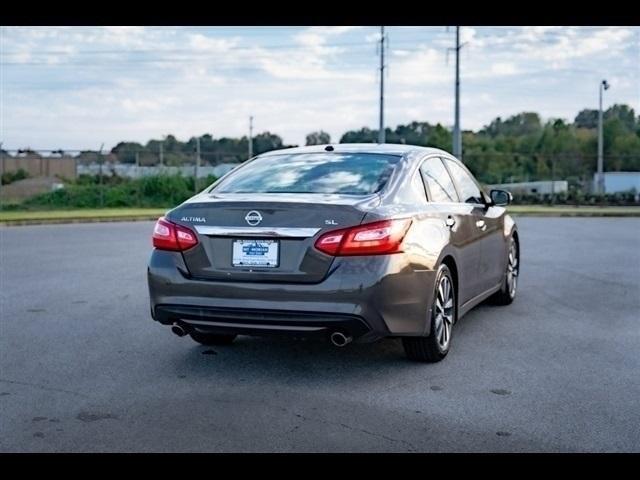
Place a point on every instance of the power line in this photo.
(258, 52)
(191, 56)
(191, 50)
(505, 35)
(413, 40)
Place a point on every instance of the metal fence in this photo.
(61, 166)
(26, 173)
(491, 167)
(69, 164)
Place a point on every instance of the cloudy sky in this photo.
(77, 87)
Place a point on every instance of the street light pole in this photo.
(600, 177)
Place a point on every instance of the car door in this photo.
(487, 222)
(493, 256)
(464, 235)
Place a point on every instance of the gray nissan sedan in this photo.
(351, 242)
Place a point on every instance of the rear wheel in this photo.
(443, 314)
(507, 293)
(212, 338)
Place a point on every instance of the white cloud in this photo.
(467, 34)
(568, 44)
(191, 81)
(200, 42)
(148, 105)
(423, 67)
(504, 68)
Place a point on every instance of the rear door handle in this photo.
(481, 225)
(450, 221)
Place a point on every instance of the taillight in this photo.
(170, 236)
(375, 238)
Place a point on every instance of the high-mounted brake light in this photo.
(170, 236)
(377, 238)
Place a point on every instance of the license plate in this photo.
(255, 253)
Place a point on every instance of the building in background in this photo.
(534, 188)
(620, 182)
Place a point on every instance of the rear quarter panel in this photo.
(408, 288)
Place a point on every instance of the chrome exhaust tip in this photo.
(178, 330)
(339, 339)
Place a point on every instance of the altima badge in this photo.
(253, 218)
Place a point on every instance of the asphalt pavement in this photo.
(83, 368)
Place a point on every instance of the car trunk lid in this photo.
(239, 234)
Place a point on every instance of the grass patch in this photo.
(85, 214)
(81, 215)
(573, 211)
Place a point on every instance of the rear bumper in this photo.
(261, 322)
(367, 297)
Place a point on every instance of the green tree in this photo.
(364, 135)
(518, 148)
(318, 138)
(587, 118)
(126, 151)
(524, 123)
(266, 142)
(625, 114)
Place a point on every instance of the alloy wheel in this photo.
(444, 311)
(512, 268)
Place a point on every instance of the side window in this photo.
(441, 187)
(469, 191)
(417, 186)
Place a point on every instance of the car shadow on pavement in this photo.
(295, 361)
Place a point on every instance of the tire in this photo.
(212, 338)
(507, 293)
(443, 315)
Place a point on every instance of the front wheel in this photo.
(507, 293)
(212, 338)
(443, 314)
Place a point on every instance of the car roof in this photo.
(381, 148)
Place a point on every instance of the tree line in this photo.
(524, 148)
(519, 148)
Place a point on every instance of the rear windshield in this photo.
(340, 173)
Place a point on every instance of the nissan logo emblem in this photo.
(253, 218)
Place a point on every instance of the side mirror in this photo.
(501, 198)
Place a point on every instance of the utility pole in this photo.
(250, 137)
(195, 180)
(161, 153)
(600, 177)
(381, 132)
(457, 136)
